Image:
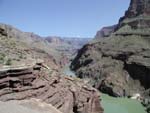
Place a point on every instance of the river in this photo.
(114, 105)
(67, 71)
(121, 105)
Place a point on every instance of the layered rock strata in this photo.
(69, 95)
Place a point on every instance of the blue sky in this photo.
(69, 18)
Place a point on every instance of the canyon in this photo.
(57, 74)
(30, 74)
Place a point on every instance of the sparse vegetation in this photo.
(8, 62)
(21, 56)
(2, 58)
(140, 17)
(127, 30)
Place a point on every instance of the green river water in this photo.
(121, 105)
(115, 105)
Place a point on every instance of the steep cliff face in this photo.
(138, 7)
(136, 19)
(69, 95)
(120, 64)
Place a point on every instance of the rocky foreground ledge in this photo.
(68, 95)
(27, 106)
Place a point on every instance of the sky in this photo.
(66, 18)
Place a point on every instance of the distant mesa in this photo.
(105, 32)
(54, 39)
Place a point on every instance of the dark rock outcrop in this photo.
(138, 7)
(115, 69)
(69, 95)
(3, 32)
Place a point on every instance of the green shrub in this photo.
(2, 58)
(8, 62)
(21, 56)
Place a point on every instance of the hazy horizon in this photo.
(65, 18)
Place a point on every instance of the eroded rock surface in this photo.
(69, 95)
